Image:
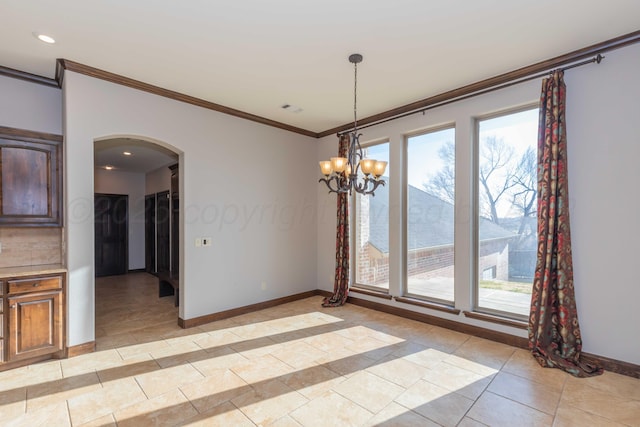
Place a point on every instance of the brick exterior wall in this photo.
(373, 266)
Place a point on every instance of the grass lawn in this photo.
(503, 285)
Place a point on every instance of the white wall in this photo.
(260, 214)
(603, 125)
(30, 106)
(604, 145)
(133, 185)
(158, 180)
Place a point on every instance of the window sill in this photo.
(428, 304)
(370, 292)
(497, 319)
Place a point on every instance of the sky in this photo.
(519, 130)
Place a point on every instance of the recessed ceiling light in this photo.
(44, 38)
(126, 153)
(109, 167)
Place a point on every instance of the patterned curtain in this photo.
(554, 333)
(341, 283)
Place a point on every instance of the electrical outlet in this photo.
(264, 286)
(206, 241)
(198, 242)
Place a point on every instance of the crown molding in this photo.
(63, 65)
(32, 78)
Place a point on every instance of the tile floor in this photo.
(298, 365)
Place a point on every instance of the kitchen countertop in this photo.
(31, 270)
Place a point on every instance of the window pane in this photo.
(372, 229)
(430, 215)
(507, 223)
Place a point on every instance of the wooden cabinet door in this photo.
(30, 181)
(35, 324)
(175, 222)
(163, 236)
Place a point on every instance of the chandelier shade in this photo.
(354, 172)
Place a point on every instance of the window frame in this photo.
(475, 226)
(353, 215)
(405, 211)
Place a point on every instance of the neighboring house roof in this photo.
(529, 238)
(430, 221)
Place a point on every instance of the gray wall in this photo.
(260, 215)
(158, 180)
(30, 106)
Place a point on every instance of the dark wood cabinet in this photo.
(175, 222)
(163, 232)
(34, 316)
(169, 249)
(30, 178)
(150, 233)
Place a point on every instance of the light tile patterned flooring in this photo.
(298, 365)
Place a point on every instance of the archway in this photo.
(146, 172)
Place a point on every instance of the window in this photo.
(371, 252)
(507, 221)
(430, 215)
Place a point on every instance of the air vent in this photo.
(291, 108)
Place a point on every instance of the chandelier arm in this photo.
(327, 183)
(338, 188)
(365, 189)
(357, 152)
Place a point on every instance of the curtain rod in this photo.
(596, 59)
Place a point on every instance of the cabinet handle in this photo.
(13, 306)
(35, 285)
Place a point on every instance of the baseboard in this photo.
(201, 320)
(444, 323)
(80, 349)
(612, 365)
(138, 270)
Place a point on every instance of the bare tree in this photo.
(525, 191)
(442, 184)
(501, 178)
(495, 175)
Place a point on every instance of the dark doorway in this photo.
(111, 234)
(150, 233)
(163, 217)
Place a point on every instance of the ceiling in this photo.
(256, 56)
(143, 156)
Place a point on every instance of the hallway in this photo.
(128, 311)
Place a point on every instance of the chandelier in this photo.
(341, 174)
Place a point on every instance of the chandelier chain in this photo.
(355, 97)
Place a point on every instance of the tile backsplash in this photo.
(30, 246)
